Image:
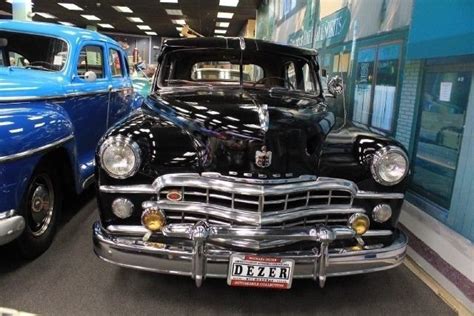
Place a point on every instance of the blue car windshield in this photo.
(31, 51)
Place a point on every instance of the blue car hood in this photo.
(22, 84)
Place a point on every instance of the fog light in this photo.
(153, 219)
(382, 213)
(359, 223)
(122, 208)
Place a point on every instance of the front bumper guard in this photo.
(199, 261)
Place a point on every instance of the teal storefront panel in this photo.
(441, 28)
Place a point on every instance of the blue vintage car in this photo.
(60, 89)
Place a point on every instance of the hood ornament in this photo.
(263, 157)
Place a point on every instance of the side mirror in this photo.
(335, 86)
(140, 66)
(3, 42)
(90, 76)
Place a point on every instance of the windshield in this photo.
(33, 52)
(222, 67)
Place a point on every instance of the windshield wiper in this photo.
(38, 68)
(188, 81)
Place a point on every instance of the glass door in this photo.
(443, 109)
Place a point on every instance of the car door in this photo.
(121, 92)
(89, 102)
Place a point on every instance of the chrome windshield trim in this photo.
(35, 150)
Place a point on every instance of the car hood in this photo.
(22, 84)
(248, 132)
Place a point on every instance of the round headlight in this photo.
(389, 165)
(120, 157)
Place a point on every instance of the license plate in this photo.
(260, 271)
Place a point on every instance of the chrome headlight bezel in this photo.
(377, 160)
(121, 141)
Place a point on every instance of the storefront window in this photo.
(443, 108)
(376, 86)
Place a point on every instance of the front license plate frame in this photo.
(246, 270)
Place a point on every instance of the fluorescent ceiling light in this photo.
(122, 9)
(228, 3)
(174, 12)
(169, 1)
(70, 6)
(179, 28)
(135, 19)
(105, 25)
(151, 33)
(90, 17)
(66, 23)
(144, 27)
(224, 15)
(46, 15)
(220, 31)
(222, 24)
(180, 21)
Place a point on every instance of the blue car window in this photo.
(91, 58)
(115, 63)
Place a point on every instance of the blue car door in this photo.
(121, 93)
(88, 107)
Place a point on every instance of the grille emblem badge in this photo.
(263, 157)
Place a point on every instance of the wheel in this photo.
(40, 207)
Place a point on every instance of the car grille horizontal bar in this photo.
(261, 203)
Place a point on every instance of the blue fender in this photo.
(27, 131)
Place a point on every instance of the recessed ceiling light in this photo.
(135, 19)
(122, 9)
(144, 27)
(174, 12)
(169, 1)
(90, 17)
(179, 28)
(105, 25)
(46, 15)
(228, 3)
(66, 23)
(180, 21)
(220, 31)
(70, 6)
(151, 33)
(222, 24)
(224, 15)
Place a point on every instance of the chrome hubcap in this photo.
(41, 204)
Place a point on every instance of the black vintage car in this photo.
(252, 178)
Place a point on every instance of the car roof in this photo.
(235, 43)
(68, 33)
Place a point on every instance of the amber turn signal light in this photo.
(359, 223)
(153, 219)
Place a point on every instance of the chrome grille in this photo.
(262, 203)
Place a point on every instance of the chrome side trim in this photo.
(377, 195)
(51, 97)
(138, 189)
(33, 151)
(88, 181)
(217, 175)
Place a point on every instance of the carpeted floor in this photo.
(69, 280)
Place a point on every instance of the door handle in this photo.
(109, 88)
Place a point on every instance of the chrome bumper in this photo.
(11, 226)
(198, 261)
